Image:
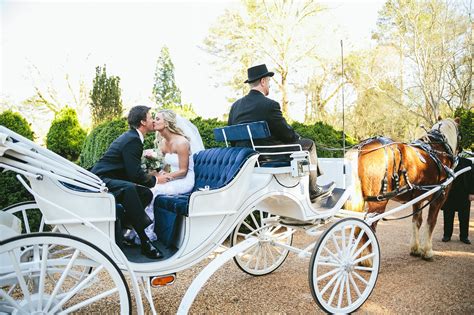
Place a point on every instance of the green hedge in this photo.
(328, 140)
(206, 129)
(11, 190)
(99, 140)
(466, 128)
(65, 136)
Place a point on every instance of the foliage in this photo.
(466, 128)
(282, 32)
(16, 122)
(206, 129)
(65, 136)
(165, 91)
(325, 137)
(106, 102)
(11, 190)
(432, 40)
(99, 140)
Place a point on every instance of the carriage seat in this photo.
(245, 134)
(213, 169)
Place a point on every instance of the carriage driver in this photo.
(120, 169)
(255, 106)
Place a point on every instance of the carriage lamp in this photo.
(299, 163)
(161, 281)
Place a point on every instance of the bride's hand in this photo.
(162, 179)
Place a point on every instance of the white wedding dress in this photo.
(177, 186)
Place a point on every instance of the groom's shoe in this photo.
(150, 251)
(321, 192)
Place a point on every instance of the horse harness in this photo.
(433, 137)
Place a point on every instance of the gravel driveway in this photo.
(405, 284)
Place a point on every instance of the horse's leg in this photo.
(416, 220)
(427, 244)
(378, 207)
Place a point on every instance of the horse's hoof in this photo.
(427, 258)
(415, 254)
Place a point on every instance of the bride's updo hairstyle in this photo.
(169, 117)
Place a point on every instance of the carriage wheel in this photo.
(265, 256)
(35, 280)
(31, 217)
(338, 281)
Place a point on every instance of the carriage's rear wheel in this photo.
(339, 282)
(265, 256)
(31, 217)
(34, 279)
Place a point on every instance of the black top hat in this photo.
(258, 72)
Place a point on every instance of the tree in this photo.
(431, 38)
(281, 32)
(165, 91)
(65, 136)
(106, 102)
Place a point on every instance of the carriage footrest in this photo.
(329, 202)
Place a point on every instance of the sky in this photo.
(56, 38)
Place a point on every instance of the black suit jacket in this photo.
(463, 185)
(256, 107)
(123, 161)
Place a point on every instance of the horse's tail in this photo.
(356, 201)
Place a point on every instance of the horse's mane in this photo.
(449, 129)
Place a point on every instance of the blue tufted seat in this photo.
(213, 169)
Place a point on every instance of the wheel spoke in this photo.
(254, 220)
(248, 226)
(89, 301)
(360, 278)
(341, 290)
(25, 221)
(354, 285)
(338, 249)
(261, 217)
(334, 290)
(364, 258)
(329, 273)
(61, 280)
(77, 288)
(364, 268)
(6, 297)
(348, 291)
(21, 280)
(351, 236)
(359, 237)
(42, 276)
(366, 244)
(328, 285)
(332, 254)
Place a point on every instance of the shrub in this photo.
(466, 128)
(99, 140)
(206, 127)
(65, 136)
(11, 190)
(325, 137)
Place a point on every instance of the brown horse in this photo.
(392, 170)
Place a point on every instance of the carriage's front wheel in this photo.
(266, 255)
(338, 280)
(34, 279)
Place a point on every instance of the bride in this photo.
(178, 139)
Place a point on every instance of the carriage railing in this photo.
(255, 131)
(23, 156)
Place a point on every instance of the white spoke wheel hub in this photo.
(35, 280)
(344, 266)
(266, 255)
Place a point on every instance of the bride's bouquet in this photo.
(152, 160)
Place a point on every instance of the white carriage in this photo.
(72, 262)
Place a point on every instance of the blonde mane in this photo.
(448, 127)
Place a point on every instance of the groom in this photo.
(120, 169)
(256, 106)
